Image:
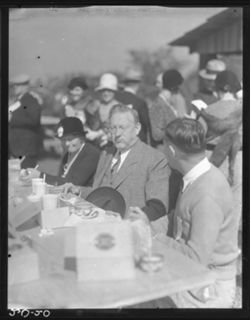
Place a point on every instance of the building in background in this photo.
(219, 37)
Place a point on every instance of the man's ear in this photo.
(138, 128)
(172, 149)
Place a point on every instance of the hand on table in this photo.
(71, 188)
(29, 174)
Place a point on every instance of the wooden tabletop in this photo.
(59, 291)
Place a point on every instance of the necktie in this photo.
(114, 168)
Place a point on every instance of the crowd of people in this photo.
(156, 157)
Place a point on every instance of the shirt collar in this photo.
(193, 174)
(165, 94)
(228, 96)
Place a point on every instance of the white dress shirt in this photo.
(123, 157)
(193, 174)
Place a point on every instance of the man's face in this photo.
(209, 84)
(107, 95)
(124, 130)
(77, 93)
(71, 143)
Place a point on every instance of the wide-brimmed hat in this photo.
(70, 126)
(108, 198)
(171, 79)
(227, 81)
(108, 81)
(213, 67)
(78, 82)
(20, 79)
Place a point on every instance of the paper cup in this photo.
(38, 186)
(50, 201)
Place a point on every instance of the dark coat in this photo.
(25, 128)
(207, 96)
(82, 171)
(140, 106)
(230, 141)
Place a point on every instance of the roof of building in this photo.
(213, 25)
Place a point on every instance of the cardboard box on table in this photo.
(23, 266)
(103, 251)
(50, 249)
(24, 215)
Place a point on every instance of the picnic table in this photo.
(63, 290)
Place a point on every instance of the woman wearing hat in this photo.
(80, 160)
(169, 105)
(78, 103)
(108, 85)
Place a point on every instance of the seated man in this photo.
(139, 172)
(80, 160)
(205, 227)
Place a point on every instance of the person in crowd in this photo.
(169, 105)
(79, 103)
(223, 122)
(107, 88)
(158, 82)
(208, 75)
(129, 96)
(138, 171)
(25, 133)
(205, 228)
(80, 160)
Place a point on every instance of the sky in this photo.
(52, 42)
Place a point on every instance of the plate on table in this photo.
(87, 213)
(68, 198)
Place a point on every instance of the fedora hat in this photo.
(20, 79)
(108, 198)
(213, 67)
(133, 75)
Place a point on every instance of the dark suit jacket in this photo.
(142, 109)
(82, 171)
(25, 128)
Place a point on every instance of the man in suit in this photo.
(205, 226)
(128, 96)
(80, 160)
(139, 172)
(24, 123)
(208, 75)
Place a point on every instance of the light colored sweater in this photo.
(205, 226)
